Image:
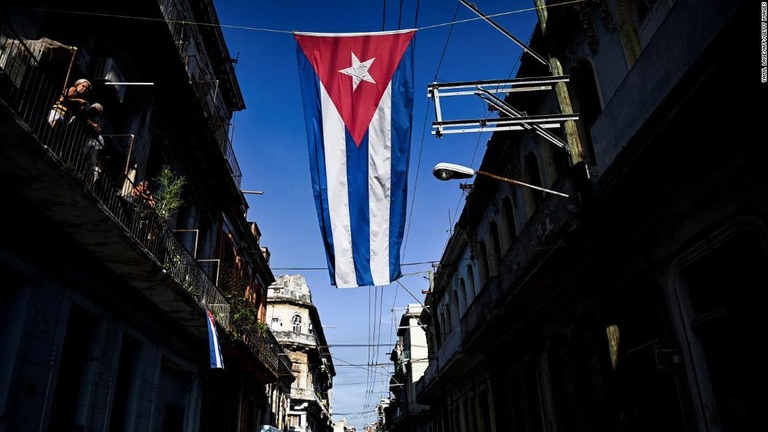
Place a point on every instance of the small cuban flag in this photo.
(214, 348)
(358, 107)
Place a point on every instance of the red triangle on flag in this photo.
(378, 55)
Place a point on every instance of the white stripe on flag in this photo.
(380, 186)
(334, 143)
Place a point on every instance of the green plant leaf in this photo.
(168, 197)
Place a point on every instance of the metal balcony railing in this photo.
(203, 81)
(207, 90)
(285, 366)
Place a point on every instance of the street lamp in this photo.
(447, 171)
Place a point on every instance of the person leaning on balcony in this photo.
(72, 100)
(147, 225)
(88, 114)
(142, 191)
(95, 143)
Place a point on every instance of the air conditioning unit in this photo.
(107, 71)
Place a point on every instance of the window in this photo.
(469, 423)
(508, 222)
(564, 383)
(80, 335)
(296, 323)
(127, 374)
(531, 175)
(275, 324)
(485, 402)
(446, 322)
(442, 324)
(494, 255)
(456, 304)
(727, 322)
(464, 293)
(526, 398)
(483, 264)
(471, 280)
(586, 102)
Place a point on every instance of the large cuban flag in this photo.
(358, 107)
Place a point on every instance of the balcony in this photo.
(205, 84)
(289, 294)
(301, 338)
(54, 178)
(316, 405)
(451, 363)
(64, 183)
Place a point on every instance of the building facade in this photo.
(110, 308)
(342, 426)
(294, 321)
(629, 304)
(409, 356)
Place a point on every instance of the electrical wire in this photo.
(249, 28)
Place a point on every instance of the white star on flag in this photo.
(359, 71)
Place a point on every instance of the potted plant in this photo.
(168, 197)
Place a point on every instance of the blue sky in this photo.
(271, 146)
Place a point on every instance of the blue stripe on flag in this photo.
(402, 116)
(359, 219)
(314, 126)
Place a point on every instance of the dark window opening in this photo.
(80, 333)
(126, 370)
(727, 321)
(586, 103)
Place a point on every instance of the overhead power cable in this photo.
(242, 27)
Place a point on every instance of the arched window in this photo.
(531, 175)
(483, 263)
(508, 222)
(494, 254)
(446, 324)
(467, 295)
(456, 305)
(586, 102)
(564, 383)
(471, 280)
(296, 320)
(469, 414)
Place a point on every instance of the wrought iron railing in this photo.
(264, 344)
(285, 368)
(203, 81)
